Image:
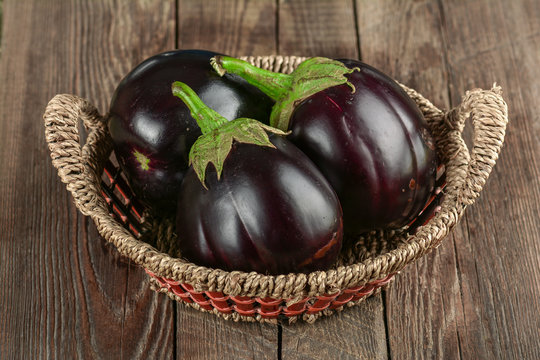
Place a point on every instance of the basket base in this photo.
(242, 308)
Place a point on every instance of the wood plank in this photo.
(327, 28)
(65, 293)
(238, 27)
(423, 306)
(354, 333)
(498, 254)
(207, 336)
(235, 28)
(317, 28)
(476, 31)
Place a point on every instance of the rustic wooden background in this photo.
(64, 293)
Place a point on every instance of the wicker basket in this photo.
(101, 192)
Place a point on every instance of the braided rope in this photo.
(466, 173)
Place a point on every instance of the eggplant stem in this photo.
(288, 90)
(274, 85)
(207, 119)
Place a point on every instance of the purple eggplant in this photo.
(360, 128)
(263, 206)
(152, 131)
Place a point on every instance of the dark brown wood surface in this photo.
(65, 293)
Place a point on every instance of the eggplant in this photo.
(263, 206)
(152, 132)
(361, 129)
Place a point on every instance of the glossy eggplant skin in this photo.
(374, 147)
(152, 131)
(272, 212)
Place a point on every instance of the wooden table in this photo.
(65, 293)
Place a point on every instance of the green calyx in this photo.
(214, 145)
(288, 90)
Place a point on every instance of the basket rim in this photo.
(446, 126)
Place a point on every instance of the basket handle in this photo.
(72, 160)
(489, 114)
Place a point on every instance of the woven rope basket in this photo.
(101, 192)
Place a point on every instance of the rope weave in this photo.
(373, 258)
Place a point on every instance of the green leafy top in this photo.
(214, 145)
(288, 90)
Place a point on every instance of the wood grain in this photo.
(454, 298)
(326, 28)
(404, 39)
(65, 293)
(236, 28)
(354, 333)
(207, 336)
(498, 256)
(317, 28)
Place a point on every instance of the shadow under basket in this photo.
(369, 263)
